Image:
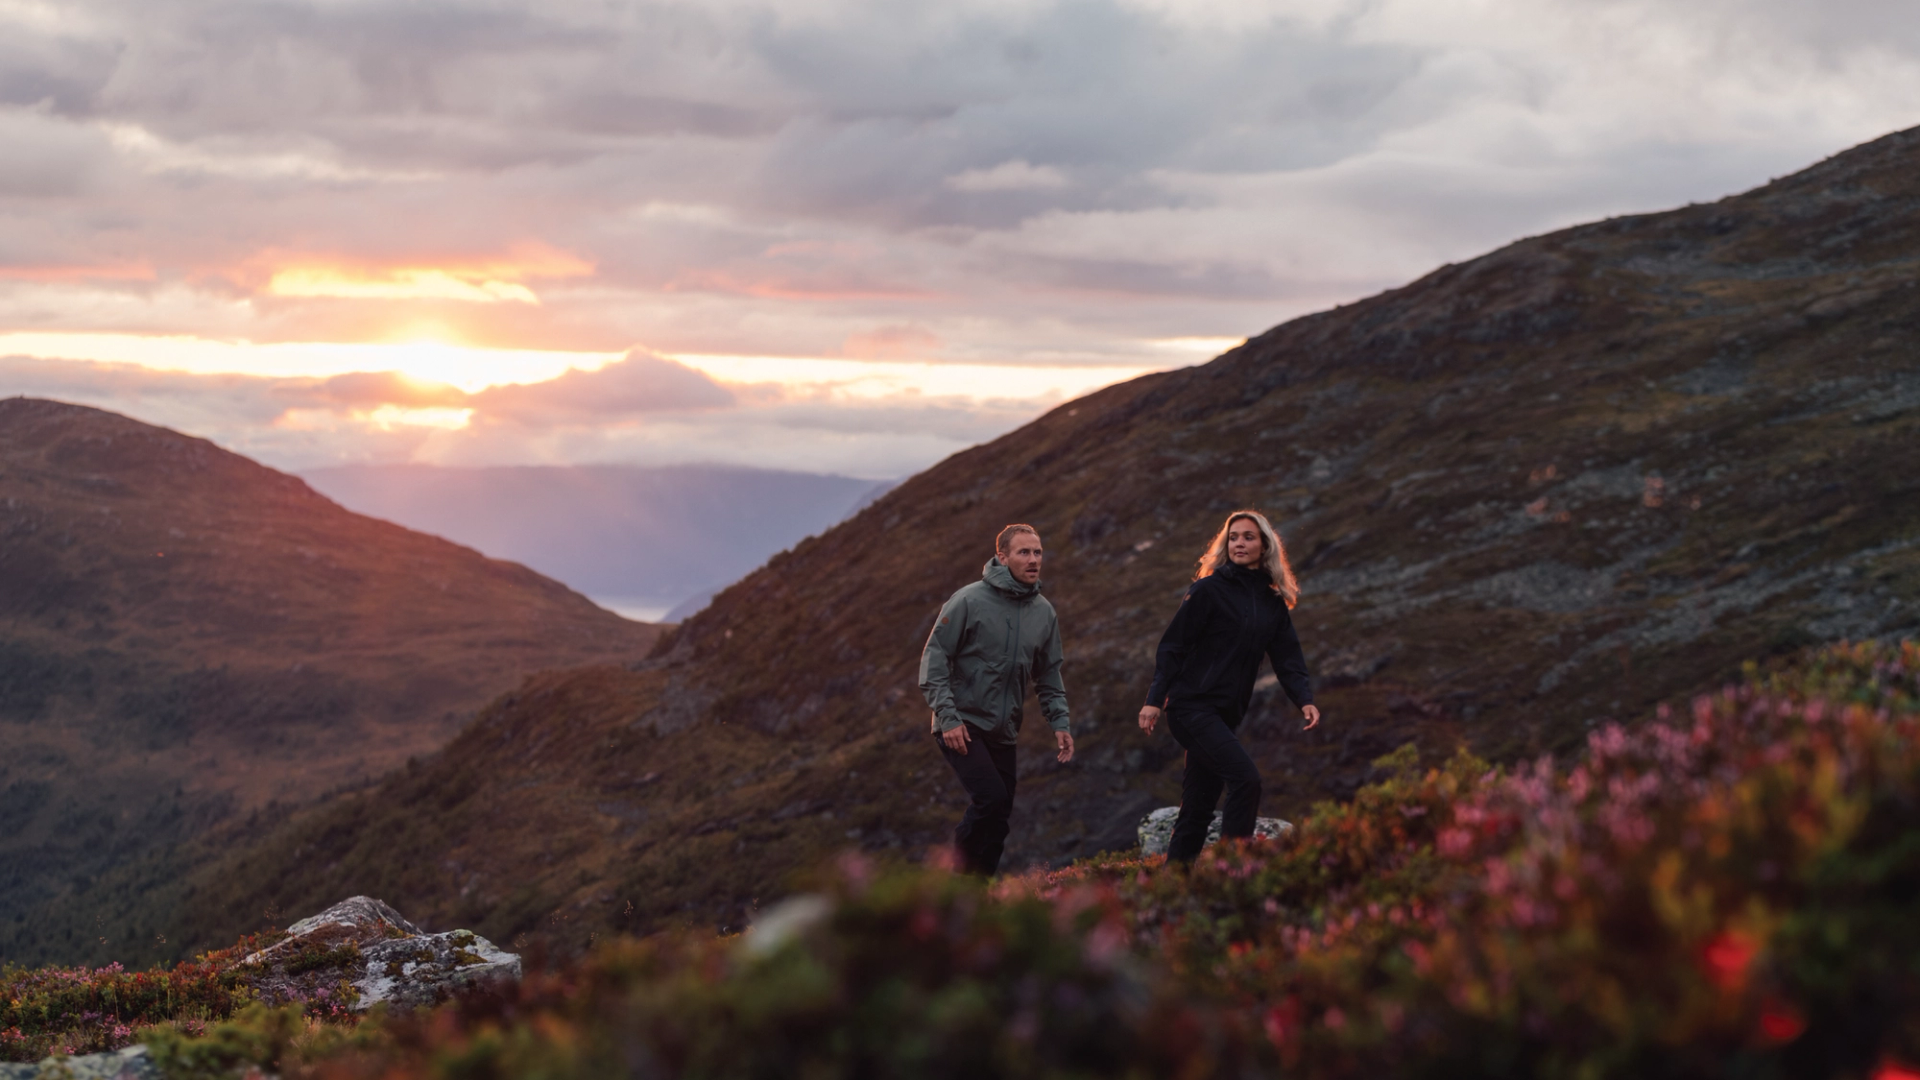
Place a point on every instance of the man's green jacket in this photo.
(993, 637)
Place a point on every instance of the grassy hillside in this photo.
(1723, 889)
(1525, 495)
(188, 638)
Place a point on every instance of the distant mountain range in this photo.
(1565, 481)
(188, 638)
(641, 541)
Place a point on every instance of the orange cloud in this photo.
(489, 281)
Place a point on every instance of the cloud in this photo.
(893, 343)
(840, 177)
(644, 410)
(1013, 175)
(46, 158)
(486, 281)
(637, 385)
(371, 389)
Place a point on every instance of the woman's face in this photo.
(1244, 547)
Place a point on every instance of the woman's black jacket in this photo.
(1211, 651)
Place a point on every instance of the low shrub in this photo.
(86, 1010)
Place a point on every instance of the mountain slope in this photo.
(1551, 485)
(189, 635)
(620, 534)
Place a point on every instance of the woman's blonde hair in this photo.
(1273, 555)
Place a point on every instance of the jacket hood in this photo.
(996, 574)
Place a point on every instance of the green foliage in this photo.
(318, 956)
(257, 1036)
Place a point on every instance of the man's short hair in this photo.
(1004, 542)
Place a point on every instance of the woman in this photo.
(1235, 612)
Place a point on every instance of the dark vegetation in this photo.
(1723, 889)
(188, 639)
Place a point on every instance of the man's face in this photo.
(1022, 557)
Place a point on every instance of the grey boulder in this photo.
(360, 953)
(1156, 829)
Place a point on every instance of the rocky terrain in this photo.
(362, 953)
(330, 967)
(1524, 494)
(189, 639)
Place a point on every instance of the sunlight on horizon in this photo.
(399, 285)
(489, 281)
(466, 367)
(472, 369)
(871, 379)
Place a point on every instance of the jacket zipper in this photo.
(1013, 664)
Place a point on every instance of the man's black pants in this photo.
(1215, 762)
(986, 770)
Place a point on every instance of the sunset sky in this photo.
(836, 236)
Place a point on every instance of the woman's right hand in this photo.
(1149, 716)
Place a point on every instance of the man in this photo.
(992, 638)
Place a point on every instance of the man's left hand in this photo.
(1065, 741)
(1312, 713)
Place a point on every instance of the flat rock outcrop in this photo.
(129, 1063)
(1156, 829)
(361, 952)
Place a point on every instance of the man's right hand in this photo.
(957, 738)
(1149, 716)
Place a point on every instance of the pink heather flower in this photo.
(1498, 877)
(1106, 942)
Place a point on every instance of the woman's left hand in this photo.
(1312, 713)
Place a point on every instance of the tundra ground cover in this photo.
(1725, 889)
(84, 1010)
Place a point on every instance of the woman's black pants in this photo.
(986, 770)
(1216, 762)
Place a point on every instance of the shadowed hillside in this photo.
(190, 636)
(1524, 494)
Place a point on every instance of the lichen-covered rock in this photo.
(427, 969)
(129, 1063)
(1156, 829)
(361, 952)
(374, 920)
